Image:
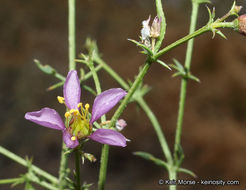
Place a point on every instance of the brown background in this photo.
(214, 133)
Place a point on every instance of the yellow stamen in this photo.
(79, 105)
(87, 106)
(73, 138)
(67, 114)
(74, 111)
(60, 99)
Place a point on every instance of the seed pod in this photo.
(242, 24)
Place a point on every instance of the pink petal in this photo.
(71, 90)
(108, 136)
(46, 117)
(105, 102)
(67, 140)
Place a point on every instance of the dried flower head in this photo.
(155, 28)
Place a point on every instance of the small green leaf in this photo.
(221, 34)
(54, 86)
(149, 52)
(163, 64)
(45, 68)
(89, 89)
(177, 74)
(150, 157)
(179, 65)
(192, 77)
(28, 186)
(183, 170)
(211, 15)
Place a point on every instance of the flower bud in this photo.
(155, 28)
(237, 9)
(120, 124)
(242, 24)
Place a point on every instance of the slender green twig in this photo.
(30, 179)
(77, 166)
(71, 33)
(105, 148)
(72, 66)
(195, 7)
(131, 91)
(85, 77)
(63, 167)
(103, 167)
(143, 105)
(157, 128)
(160, 14)
(9, 181)
(42, 183)
(23, 162)
(206, 28)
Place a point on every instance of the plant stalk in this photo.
(23, 162)
(77, 166)
(72, 66)
(183, 88)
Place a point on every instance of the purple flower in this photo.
(78, 124)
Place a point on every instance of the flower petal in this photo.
(67, 140)
(46, 117)
(105, 102)
(71, 90)
(109, 136)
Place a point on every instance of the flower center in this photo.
(77, 120)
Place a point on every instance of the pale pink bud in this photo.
(156, 27)
(120, 124)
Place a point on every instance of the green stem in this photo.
(131, 91)
(11, 180)
(86, 77)
(77, 165)
(72, 66)
(143, 105)
(31, 179)
(105, 148)
(157, 128)
(181, 41)
(42, 183)
(63, 167)
(177, 145)
(172, 176)
(206, 28)
(103, 167)
(23, 162)
(160, 14)
(111, 72)
(71, 33)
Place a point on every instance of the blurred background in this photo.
(214, 131)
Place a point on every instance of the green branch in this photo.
(25, 163)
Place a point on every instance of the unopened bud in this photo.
(156, 27)
(120, 124)
(237, 9)
(242, 24)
